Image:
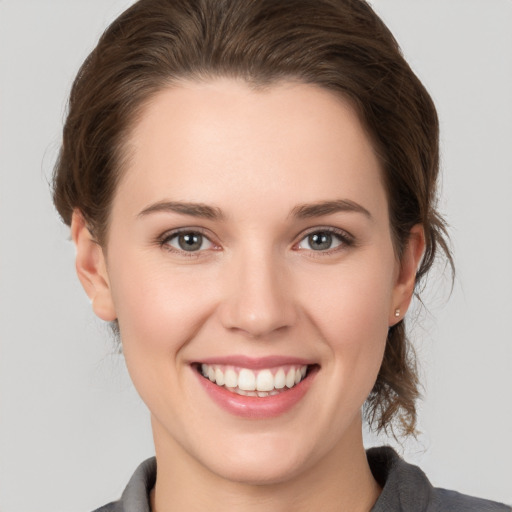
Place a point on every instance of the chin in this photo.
(257, 472)
(271, 460)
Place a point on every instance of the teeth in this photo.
(265, 381)
(290, 378)
(230, 378)
(280, 379)
(247, 380)
(262, 383)
(219, 377)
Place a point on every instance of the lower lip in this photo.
(256, 407)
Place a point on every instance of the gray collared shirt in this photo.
(405, 488)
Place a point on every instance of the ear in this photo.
(406, 277)
(92, 269)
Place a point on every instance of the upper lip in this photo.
(255, 363)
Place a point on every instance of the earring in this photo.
(397, 312)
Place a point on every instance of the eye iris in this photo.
(320, 241)
(190, 241)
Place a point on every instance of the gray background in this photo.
(72, 429)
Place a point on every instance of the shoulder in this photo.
(454, 501)
(110, 507)
(406, 488)
(135, 497)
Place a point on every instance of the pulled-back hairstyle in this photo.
(339, 45)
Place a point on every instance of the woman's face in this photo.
(249, 241)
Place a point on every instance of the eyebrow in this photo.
(306, 211)
(301, 211)
(193, 209)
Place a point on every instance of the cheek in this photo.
(159, 308)
(159, 312)
(354, 304)
(351, 313)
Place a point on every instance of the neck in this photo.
(340, 481)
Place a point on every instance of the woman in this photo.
(251, 189)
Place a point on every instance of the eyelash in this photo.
(346, 240)
(165, 239)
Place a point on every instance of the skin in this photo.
(257, 287)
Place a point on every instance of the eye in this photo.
(324, 240)
(188, 241)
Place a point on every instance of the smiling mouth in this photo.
(257, 383)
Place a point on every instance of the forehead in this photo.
(222, 140)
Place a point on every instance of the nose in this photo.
(258, 296)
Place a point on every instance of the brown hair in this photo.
(340, 45)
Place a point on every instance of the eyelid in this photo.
(344, 236)
(346, 239)
(163, 240)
